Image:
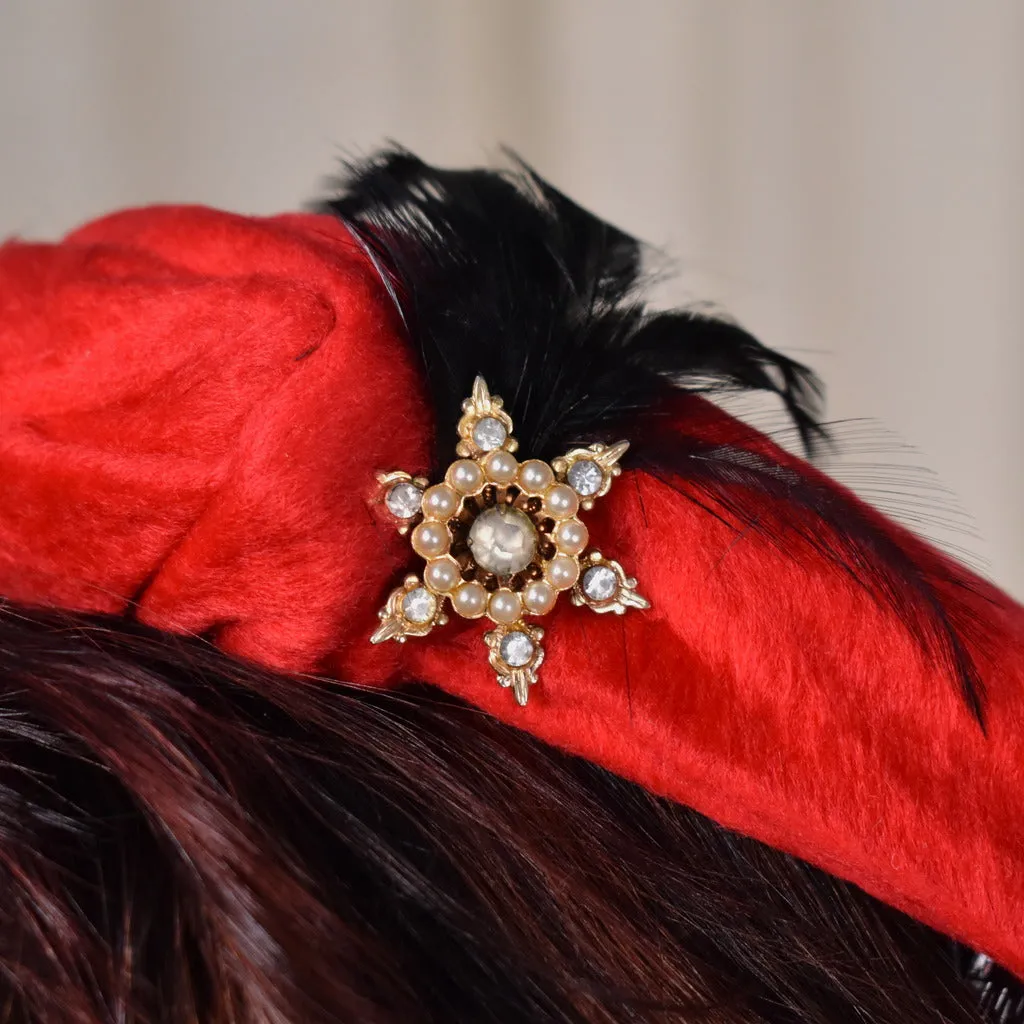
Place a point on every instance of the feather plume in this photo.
(496, 273)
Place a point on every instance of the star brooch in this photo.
(502, 539)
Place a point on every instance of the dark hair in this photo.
(187, 838)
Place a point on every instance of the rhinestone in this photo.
(489, 433)
(419, 605)
(516, 649)
(585, 477)
(600, 583)
(503, 540)
(404, 500)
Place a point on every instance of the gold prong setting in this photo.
(484, 426)
(603, 587)
(502, 539)
(411, 610)
(403, 497)
(515, 656)
(590, 471)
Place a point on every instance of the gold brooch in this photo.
(503, 539)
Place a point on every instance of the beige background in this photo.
(843, 175)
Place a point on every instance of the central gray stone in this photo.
(503, 540)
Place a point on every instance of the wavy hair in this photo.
(186, 838)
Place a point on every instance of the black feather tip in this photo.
(498, 274)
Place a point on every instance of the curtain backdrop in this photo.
(845, 176)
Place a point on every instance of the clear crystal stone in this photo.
(600, 583)
(585, 477)
(419, 605)
(489, 433)
(503, 540)
(404, 499)
(516, 649)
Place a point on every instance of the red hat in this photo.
(195, 409)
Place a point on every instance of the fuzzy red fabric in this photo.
(193, 407)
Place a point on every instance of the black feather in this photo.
(497, 273)
(754, 493)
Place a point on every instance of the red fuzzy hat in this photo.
(195, 410)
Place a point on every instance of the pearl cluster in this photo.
(432, 537)
(501, 539)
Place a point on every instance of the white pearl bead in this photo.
(430, 539)
(538, 597)
(562, 572)
(501, 467)
(441, 575)
(440, 502)
(560, 502)
(504, 606)
(465, 476)
(470, 600)
(571, 536)
(535, 476)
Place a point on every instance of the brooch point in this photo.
(411, 610)
(604, 587)
(516, 654)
